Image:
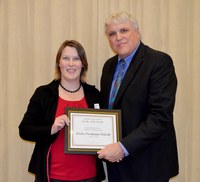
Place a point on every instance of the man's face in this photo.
(123, 38)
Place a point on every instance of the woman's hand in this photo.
(59, 123)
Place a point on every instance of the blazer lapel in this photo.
(130, 73)
(108, 78)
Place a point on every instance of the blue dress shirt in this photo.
(128, 61)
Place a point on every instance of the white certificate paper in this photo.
(91, 130)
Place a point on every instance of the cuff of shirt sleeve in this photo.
(124, 149)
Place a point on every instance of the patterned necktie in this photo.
(117, 82)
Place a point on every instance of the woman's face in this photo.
(70, 64)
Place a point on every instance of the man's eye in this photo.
(124, 30)
(111, 34)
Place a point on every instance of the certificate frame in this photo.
(91, 130)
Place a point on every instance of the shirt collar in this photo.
(129, 58)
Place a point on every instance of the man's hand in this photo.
(112, 152)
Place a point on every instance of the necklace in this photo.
(71, 91)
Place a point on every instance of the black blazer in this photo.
(38, 119)
(146, 98)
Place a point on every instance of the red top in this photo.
(70, 166)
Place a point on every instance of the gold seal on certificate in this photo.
(91, 130)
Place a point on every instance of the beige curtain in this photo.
(31, 32)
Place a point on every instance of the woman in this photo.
(44, 120)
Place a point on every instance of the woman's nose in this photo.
(71, 62)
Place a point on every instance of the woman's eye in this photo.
(76, 59)
(65, 58)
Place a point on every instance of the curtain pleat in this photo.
(31, 32)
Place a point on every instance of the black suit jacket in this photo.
(146, 98)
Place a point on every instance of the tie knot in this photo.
(122, 64)
(122, 61)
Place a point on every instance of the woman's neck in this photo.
(70, 91)
(71, 95)
(70, 86)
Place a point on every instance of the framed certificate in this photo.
(91, 130)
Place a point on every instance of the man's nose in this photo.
(118, 36)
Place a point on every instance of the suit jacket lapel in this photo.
(109, 78)
(111, 71)
(130, 73)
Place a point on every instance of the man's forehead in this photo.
(118, 25)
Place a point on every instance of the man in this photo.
(146, 97)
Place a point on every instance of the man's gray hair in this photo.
(121, 17)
